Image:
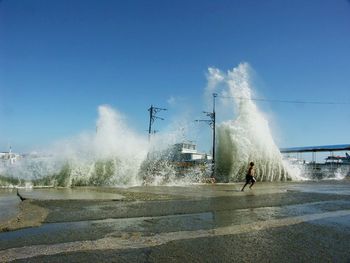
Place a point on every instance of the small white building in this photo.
(187, 152)
(9, 157)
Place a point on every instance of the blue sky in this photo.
(59, 60)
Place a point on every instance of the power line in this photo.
(288, 101)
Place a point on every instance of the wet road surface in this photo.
(275, 222)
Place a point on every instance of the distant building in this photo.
(187, 152)
(9, 157)
(185, 156)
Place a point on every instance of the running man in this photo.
(250, 176)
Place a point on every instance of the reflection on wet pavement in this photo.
(9, 203)
(68, 194)
(196, 212)
(72, 231)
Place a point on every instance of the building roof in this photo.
(324, 148)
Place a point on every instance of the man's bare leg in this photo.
(244, 186)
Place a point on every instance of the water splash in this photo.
(116, 155)
(248, 137)
(162, 165)
(341, 173)
(110, 156)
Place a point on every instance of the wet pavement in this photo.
(68, 194)
(274, 222)
(9, 204)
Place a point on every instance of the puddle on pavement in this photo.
(68, 194)
(63, 232)
(9, 204)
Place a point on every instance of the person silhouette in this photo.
(250, 176)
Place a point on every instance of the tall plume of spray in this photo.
(112, 155)
(116, 155)
(248, 137)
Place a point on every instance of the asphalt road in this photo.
(274, 222)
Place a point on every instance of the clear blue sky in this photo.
(59, 60)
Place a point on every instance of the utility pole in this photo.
(152, 117)
(214, 128)
(212, 123)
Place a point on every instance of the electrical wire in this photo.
(287, 101)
